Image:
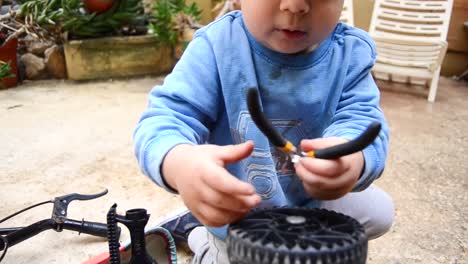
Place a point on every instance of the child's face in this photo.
(291, 26)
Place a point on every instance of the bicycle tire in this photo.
(297, 235)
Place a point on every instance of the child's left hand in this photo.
(328, 179)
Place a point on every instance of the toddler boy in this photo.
(196, 137)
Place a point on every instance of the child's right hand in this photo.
(210, 192)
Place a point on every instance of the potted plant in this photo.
(111, 38)
(113, 43)
(8, 60)
(169, 26)
(80, 19)
(99, 39)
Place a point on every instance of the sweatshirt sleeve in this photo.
(180, 110)
(359, 106)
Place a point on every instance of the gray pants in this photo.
(373, 208)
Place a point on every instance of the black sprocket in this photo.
(297, 236)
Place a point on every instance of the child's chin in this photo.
(289, 49)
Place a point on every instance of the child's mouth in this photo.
(293, 34)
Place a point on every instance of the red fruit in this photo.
(97, 6)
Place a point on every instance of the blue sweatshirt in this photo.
(327, 92)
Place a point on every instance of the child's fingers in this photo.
(238, 203)
(326, 168)
(235, 153)
(320, 182)
(213, 216)
(221, 180)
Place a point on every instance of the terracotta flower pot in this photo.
(98, 6)
(8, 54)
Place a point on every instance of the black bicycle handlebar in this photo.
(18, 234)
(27, 232)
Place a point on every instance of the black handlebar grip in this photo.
(90, 228)
(355, 145)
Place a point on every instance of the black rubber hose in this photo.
(253, 104)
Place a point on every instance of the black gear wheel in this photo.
(296, 236)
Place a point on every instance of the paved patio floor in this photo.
(60, 137)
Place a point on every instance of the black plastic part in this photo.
(112, 237)
(86, 227)
(297, 235)
(135, 220)
(61, 203)
(355, 145)
(253, 104)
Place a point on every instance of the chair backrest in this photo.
(415, 19)
(347, 15)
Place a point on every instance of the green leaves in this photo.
(5, 71)
(69, 16)
(161, 24)
(163, 21)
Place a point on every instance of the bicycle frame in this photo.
(15, 235)
(58, 222)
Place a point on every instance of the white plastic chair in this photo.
(347, 14)
(410, 36)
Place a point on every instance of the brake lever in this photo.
(61, 202)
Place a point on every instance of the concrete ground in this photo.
(61, 137)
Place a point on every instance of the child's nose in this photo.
(295, 6)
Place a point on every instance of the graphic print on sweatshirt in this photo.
(268, 168)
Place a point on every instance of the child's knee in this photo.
(372, 207)
(381, 218)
